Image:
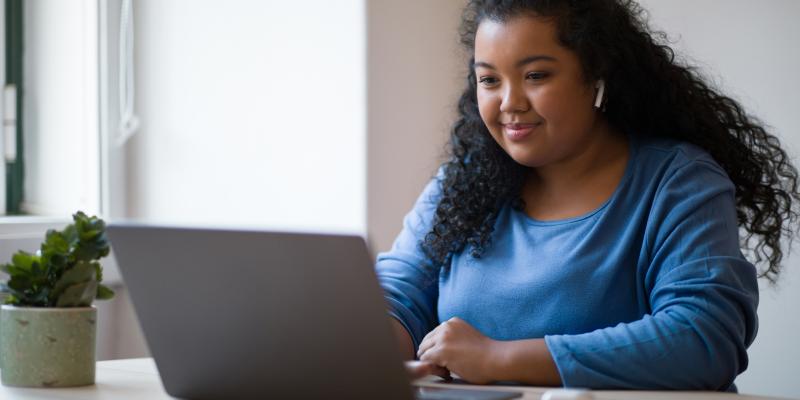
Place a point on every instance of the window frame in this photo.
(13, 51)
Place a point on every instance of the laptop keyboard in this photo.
(430, 393)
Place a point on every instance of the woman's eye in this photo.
(487, 81)
(536, 76)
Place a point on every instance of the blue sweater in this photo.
(649, 291)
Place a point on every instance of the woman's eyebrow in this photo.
(530, 59)
(520, 63)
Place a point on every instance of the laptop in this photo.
(252, 314)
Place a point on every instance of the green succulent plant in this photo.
(64, 272)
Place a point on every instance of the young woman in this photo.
(585, 230)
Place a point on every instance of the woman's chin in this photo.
(526, 158)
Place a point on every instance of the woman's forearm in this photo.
(406, 345)
(526, 361)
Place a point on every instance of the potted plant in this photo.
(48, 323)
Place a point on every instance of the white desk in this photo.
(137, 379)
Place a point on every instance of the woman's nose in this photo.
(514, 100)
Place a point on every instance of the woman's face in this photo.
(531, 92)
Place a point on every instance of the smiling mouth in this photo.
(517, 132)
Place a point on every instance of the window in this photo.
(61, 78)
(60, 108)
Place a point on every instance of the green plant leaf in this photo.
(10, 294)
(20, 283)
(98, 269)
(25, 271)
(28, 295)
(92, 240)
(104, 292)
(13, 295)
(55, 251)
(39, 297)
(81, 272)
(22, 262)
(78, 295)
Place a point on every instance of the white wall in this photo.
(253, 113)
(61, 107)
(751, 48)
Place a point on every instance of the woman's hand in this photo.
(421, 369)
(459, 348)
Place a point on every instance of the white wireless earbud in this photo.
(601, 87)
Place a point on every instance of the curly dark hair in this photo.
(649, 93)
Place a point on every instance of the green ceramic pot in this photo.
(47, 347)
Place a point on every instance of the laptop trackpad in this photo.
(431, 393)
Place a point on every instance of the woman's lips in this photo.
(518, 132)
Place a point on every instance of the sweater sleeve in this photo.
(410, 285)
(703, 296)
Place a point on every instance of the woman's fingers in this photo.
(426, 344)
(420, 369)
(432, 356)
(431, 338)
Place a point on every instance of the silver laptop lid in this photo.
(252, 314)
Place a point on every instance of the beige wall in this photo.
(414, 76)
(119, 335)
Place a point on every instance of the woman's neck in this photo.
(580, 183)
